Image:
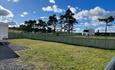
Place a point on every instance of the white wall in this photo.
(3, 30)
(90, 33)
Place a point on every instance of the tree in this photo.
(29, 25)
(106, 20)
(61, 21)
(70, 20)
(23, 28)
(42, 25)
(52, 22)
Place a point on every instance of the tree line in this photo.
(65, 22)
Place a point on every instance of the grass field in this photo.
(58, 56)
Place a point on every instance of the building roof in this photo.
(9, 23)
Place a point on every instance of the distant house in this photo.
(3, 30)
(88, 32)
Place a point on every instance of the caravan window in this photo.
(86, 31)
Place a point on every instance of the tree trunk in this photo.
(69, 29)
(72, 29)
(61, 27)
(106, 30)
(54, 28)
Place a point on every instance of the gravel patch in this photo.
(14, 64)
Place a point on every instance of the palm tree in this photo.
(106, 20)
(52, 21)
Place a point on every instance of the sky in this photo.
(86, 11)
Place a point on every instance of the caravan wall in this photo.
(3, 31)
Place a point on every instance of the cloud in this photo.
(102, 29)
(24, 14)
(5, 12)
(13, 1)
(91, 16)
(52, 1)
(43, 17)
(94, 14)
(110, 13)
(78, 30)
(48, 8)
(53, 8)
(5, 15)
(72, 9)
(88, 18)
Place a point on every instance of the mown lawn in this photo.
(58, 56)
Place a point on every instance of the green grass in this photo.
(58, 56)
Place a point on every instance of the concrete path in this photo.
(9, 59)
(7, 53)
(17, 48)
